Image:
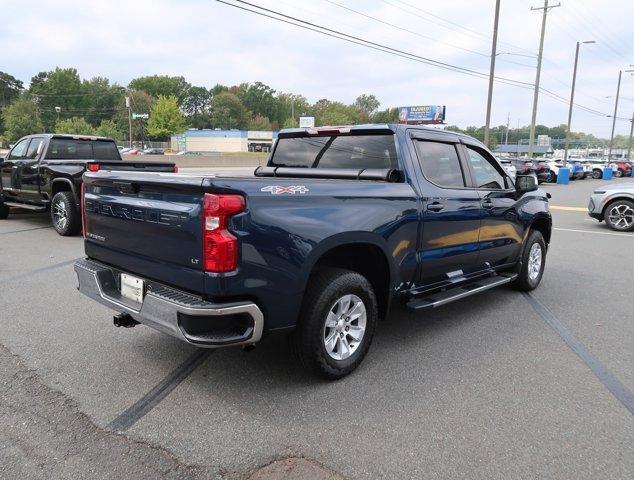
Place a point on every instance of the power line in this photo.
(367, 43)
(399, 53)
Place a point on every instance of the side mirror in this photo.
(526, 183)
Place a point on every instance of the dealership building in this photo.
(223, 141)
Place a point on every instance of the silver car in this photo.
(614, 204)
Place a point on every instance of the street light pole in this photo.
(545, 9)
(492, 72)
(572, 98)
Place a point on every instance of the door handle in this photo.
(435, 207)
(487, 204)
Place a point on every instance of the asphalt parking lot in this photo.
(496, 386)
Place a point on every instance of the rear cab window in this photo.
(80, 149)
(440, 163)
(336, 151)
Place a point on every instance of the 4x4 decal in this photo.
(279, 190)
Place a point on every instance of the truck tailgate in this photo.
(146, 223)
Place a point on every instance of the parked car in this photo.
(153, 151)
(336, 228)
(43, 172)
(542, 171)
(576, 170)
(133, 151)
(614, 203)
(623, 169)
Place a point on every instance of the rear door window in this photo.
(440, 163)
(336, 151)
(76, 149)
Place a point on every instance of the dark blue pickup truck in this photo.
(341, 223)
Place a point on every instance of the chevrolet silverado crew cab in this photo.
(342, 223)
(43, 172)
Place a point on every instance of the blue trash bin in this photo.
(563, 176)
(607, 173)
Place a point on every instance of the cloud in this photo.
(209, 43)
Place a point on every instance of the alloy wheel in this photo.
(621, 216)
(534, 261)
(344, 327)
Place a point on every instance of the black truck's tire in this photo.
(619, 215)
(4, 211)
(65, 215)
(533, 262)
(326, 330)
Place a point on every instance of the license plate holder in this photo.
(132, 288)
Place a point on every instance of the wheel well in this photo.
(612, 200)
(61, 186)
(543, 226)
(367, 260)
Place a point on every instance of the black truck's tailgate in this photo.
(146, 223)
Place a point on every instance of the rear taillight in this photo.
(82, 209)
(220, 247)
(92, 167)
(175, 168)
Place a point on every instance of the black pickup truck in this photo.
(341, 223)
(43, 172)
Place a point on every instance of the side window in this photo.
(440, 163)
(31, 153)
(19, 150)
(486, 174)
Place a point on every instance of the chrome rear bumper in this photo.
(174, 312)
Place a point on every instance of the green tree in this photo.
(10, 89)
(58, 88)
(333, 113)
(366, 105)
(259, 98)
(217, 88)
(166, 118)
(227, 111)
(101, 100)
(290, 105)
(21, 118)
(389, 115)
(74, 125)
(197, 106)
(164, 85)
(108, 128)
(259, 122)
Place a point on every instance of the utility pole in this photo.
(492, 72)
(508, 124)
(545, 10)
(616, 106)
(129, 107)
(629, 145)
(572, 98)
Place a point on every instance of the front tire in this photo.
(64, 214)
(619, 216)
(533, 262)
(337, 323)
(553, 177)
(618, 174)
(597, 174)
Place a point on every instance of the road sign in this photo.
(144, 116)
(306, 122)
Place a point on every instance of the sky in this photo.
(209, 42)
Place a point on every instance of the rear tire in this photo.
(618, 174)
(4, 211)
(336, 324)
(619, 215)
(597, 174)
(64, 214)
(533, 262)
(553, 177)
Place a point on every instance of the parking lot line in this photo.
(613, 384)
(591, 231)
(145, 404)
(25, 230)
(568, 209)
